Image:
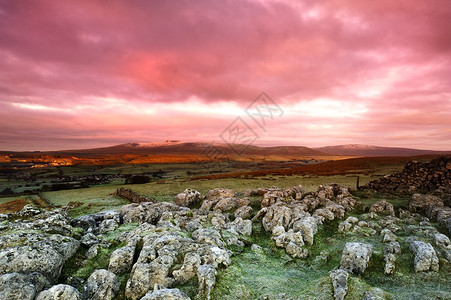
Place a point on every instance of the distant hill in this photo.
(368, 150)
(197, 148)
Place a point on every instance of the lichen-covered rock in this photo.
(188, 198)
(92, 251)
(420, 202)
(392, 247)
(145, 275)
(442, 241)
(146, 212)
(163, 293)
(244, 212)
(241, 226)
(206, 275)
(89, 239)
(383, 206)
(60, 292)
(45, 254)
(16, 286)
(352, 220)
(340, 283)
(344, 226)
(220, 199)
(108, 225)
(324, 213)
(388, 236)
(390, 260)
(276, 215)
(207, 236)
(308, 226)
(425, 256)
(101, 285)
(189, 268)
(87, 223)
(355, 257)
(121, 260)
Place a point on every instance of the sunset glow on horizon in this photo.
(83, 74)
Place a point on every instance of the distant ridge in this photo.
(369, 150)
(177, 148)
(196, 148)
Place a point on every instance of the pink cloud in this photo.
(58, 58)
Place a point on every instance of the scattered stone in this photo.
(425, 256)
(352, 220)
(390, 260)
(442, 241)
(340, 283)
(383, 206)
(206, 275)
(355, 257)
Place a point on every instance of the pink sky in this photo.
(83, 73)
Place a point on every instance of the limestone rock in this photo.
(188, 198)
(308, 226)
(442, 241)
(145, 275)
(383, 206)
(89, 239)
(108, 225)
(189, 268)
(60, 292)
(340, 283)
(16, 286)
(244, 212)
(101, 285)
(206, 275)
(390, 260)
(425, 256)
(241, 226)
(92, 251)
(355, 257)
(121, 260)
(163, 293)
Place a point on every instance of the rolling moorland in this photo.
(267, 223)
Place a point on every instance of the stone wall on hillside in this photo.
(417, 176)
(132, 196)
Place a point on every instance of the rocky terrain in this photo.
(180, 250)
